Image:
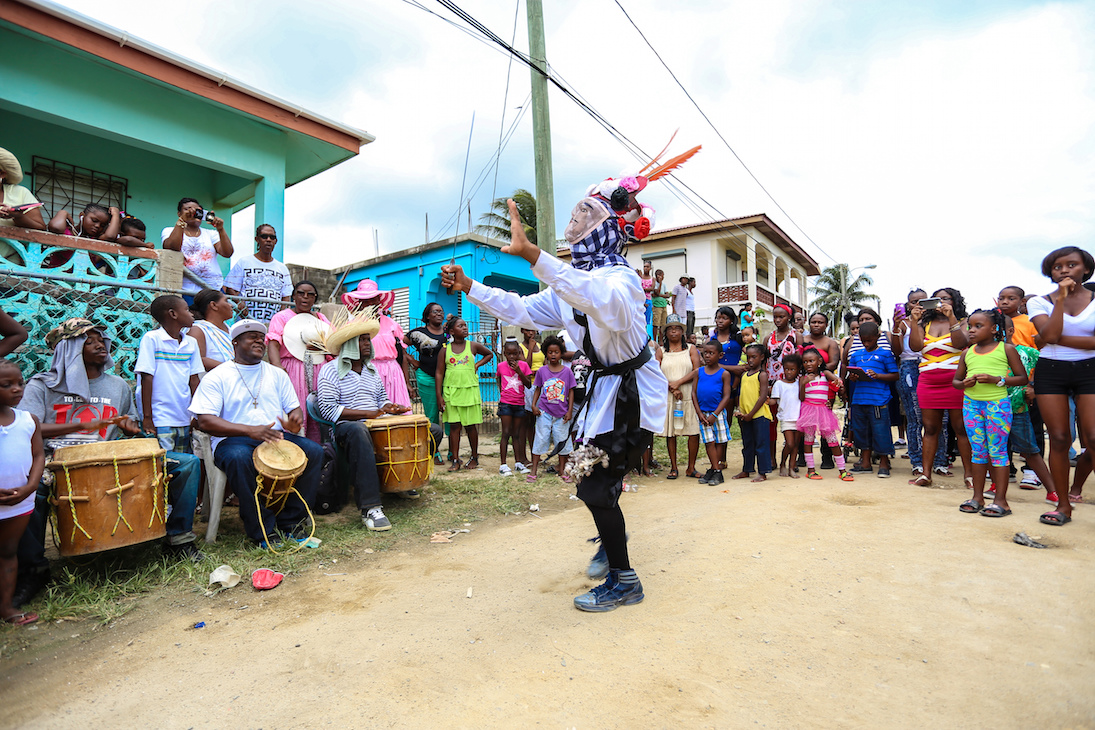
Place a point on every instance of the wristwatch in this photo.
(1001, 383)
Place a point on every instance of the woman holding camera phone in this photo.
(199, 246)
(937, 330)
(909, 368)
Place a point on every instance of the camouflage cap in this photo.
(68, 329)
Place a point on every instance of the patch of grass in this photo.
(104, 587)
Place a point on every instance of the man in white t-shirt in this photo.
(260, 275)
(679, 297)
(241, 404)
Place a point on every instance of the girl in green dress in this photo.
(458, 390)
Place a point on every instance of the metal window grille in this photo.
(61, 186)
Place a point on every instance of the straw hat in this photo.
(368, 289)
(301, 333)
(346, 328)
(13, 171)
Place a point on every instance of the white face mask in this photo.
(587, 215)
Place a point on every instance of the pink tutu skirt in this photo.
(391, 374)
(814, 419)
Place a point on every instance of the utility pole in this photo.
(541, 129)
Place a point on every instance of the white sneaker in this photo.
(505, 471)
(375, 520)
(521, 468)
(1030, 479)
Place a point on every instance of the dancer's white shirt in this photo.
(612, 299)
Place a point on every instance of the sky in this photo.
(946, 143)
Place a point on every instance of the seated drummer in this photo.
(78, 402)
(241, 404)
(349, 390)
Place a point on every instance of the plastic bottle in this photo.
(678, 414)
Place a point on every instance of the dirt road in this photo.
(787, 604)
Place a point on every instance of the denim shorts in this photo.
(1021, 438)
(871, 429)
(551, 429)
(511, 409)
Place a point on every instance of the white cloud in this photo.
(947, 153)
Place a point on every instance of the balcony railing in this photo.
(46, 278)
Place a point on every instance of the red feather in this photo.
(658, 156)
(672, 164)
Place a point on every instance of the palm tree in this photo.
(496, 223)
(836, 294)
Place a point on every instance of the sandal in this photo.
(437, 460)
(846, 477)
(969, 483)
(921, 481)
(970, 507)
(811, 474)
(531, 479)
(995, 510)
(1075, 498)
(672, 474)
(21, 619)
(473, 463)
(693, 474)
(455, 464)
(943, 471)
(1055, 518)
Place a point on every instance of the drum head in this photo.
(107, 451)
(278, 458)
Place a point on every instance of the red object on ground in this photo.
(264, 579)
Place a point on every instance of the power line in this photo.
(718, 133)
(557, 81)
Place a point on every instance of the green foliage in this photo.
(837, 293)
(496, 223)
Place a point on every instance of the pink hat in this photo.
(368, 289)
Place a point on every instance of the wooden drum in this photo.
(109, 495)
(403, 455)
(279, 464)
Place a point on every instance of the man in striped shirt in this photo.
(348, 392)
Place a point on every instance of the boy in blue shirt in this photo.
(872, 370)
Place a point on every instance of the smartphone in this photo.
(930, 303)
(25, 207)
(900, 307)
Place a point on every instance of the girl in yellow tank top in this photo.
(984, 373)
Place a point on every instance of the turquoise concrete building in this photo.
(95, 115)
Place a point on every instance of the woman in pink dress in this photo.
(387, 346)
(304, 299)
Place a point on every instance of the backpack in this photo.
(330, 496)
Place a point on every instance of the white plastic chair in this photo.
(215, 482)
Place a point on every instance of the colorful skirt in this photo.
(935, 390)
(817, 419)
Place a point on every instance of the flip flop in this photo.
(21, 619)
(474, 460)
(1055, 519)
(1076, 499)
(693, 475)
(970, 507)
(672, 474)
(995, 510)
(531, 478)
(921, 481)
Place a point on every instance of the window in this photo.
(401, 307)
(60, 186)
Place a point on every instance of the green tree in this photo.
(495, 224)
(837, 293)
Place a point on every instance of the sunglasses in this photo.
(268, 236)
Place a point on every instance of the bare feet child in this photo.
(785, 399)
(21, 463)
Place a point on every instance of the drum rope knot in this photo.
(72, 507)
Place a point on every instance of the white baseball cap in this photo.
(246, 325)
